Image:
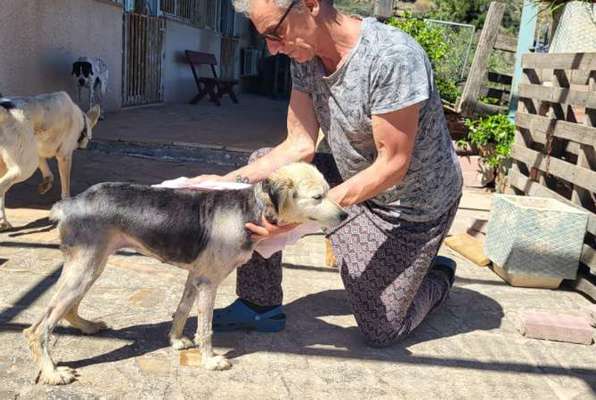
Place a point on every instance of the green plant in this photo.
(448, 89)
(432, 40)
(493, 136)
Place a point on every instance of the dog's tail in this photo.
(57, 212)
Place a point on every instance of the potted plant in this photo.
(492, 138)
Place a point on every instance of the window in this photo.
(200, 13)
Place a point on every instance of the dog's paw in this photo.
(45, 186)
(5, 225)
(57, 376)
(182, 343)
(217, 363)
(92, 327)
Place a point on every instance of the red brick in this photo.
(557, 327)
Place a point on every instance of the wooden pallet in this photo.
(554, 149)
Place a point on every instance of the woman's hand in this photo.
(267, 230)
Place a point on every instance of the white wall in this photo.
(178, 81)
(40, 39)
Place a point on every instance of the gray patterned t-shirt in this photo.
(386, 71)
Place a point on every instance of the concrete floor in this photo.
(255, 122)
(468, 349)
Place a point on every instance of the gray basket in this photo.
(534, 241)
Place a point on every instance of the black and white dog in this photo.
(91, 73)
(202, 232)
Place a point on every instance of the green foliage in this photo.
(465, 11)
(448, 89)
(489, 100)
(430, 38)
(433, 42)
(355, 7)
(493, 136)
(474, 12)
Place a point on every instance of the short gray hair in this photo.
(243, 6)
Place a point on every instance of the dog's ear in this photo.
(278, 191)
(76, 68)
(93, 115)
(90, 69)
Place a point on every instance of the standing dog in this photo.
(202, 232)
(91, 74)
(18, 155)
(33, 129)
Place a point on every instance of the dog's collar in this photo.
(85, 132)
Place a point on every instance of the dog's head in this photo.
(88, 123)
(297, 193)
(83, 73)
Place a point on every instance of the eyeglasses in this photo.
(273, 35)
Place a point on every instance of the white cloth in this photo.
(265, 248)
(182, 182)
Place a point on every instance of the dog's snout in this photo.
(343, 216)
(81, 81)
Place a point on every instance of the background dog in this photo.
(18, 155)
(200, 231)
(33, 129)
(91, 74)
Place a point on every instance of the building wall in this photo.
(39, 41)
(178, 80)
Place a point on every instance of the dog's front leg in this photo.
(177, 340)
(64, 165)
(4, 224)
(204, 332)
(48, 177)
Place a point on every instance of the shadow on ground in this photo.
(307, 334)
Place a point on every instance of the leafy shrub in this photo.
(493, 135)
(433, 41)
(448, 89)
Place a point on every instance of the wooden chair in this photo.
(214, 87)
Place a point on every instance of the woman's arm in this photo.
(395, 135)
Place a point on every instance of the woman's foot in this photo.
(243, 315)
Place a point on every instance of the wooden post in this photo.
(478, 70)
(525, 40)
(383, 8)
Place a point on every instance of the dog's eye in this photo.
(318, 197)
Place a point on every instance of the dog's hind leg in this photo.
(177, 340)
(85, 326)
(48, 177)
(64, 167)
(80, 270)
(206, 293)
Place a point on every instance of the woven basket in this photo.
(533, 241)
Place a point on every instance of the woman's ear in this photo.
(314, 6)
